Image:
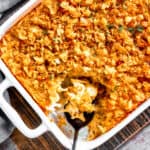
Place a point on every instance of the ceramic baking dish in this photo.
(46, 124)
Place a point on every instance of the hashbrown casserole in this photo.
(73, 51)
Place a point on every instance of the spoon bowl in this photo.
(77, 124)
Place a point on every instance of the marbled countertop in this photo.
(139, 142)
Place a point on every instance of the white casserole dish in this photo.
(46, 125)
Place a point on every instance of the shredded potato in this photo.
(74, 51)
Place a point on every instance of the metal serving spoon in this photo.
(77, 124)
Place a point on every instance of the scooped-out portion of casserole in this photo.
(72, 52)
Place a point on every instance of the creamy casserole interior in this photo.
(74, 51)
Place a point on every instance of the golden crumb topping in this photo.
(74, 51)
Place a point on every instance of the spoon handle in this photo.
(75, 139)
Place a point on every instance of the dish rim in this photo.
(52, 127)
(47, 125)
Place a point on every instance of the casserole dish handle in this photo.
(14, 116)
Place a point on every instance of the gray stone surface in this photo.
(8, 145)
(6, 127)
(140, 142)
(6, 4)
